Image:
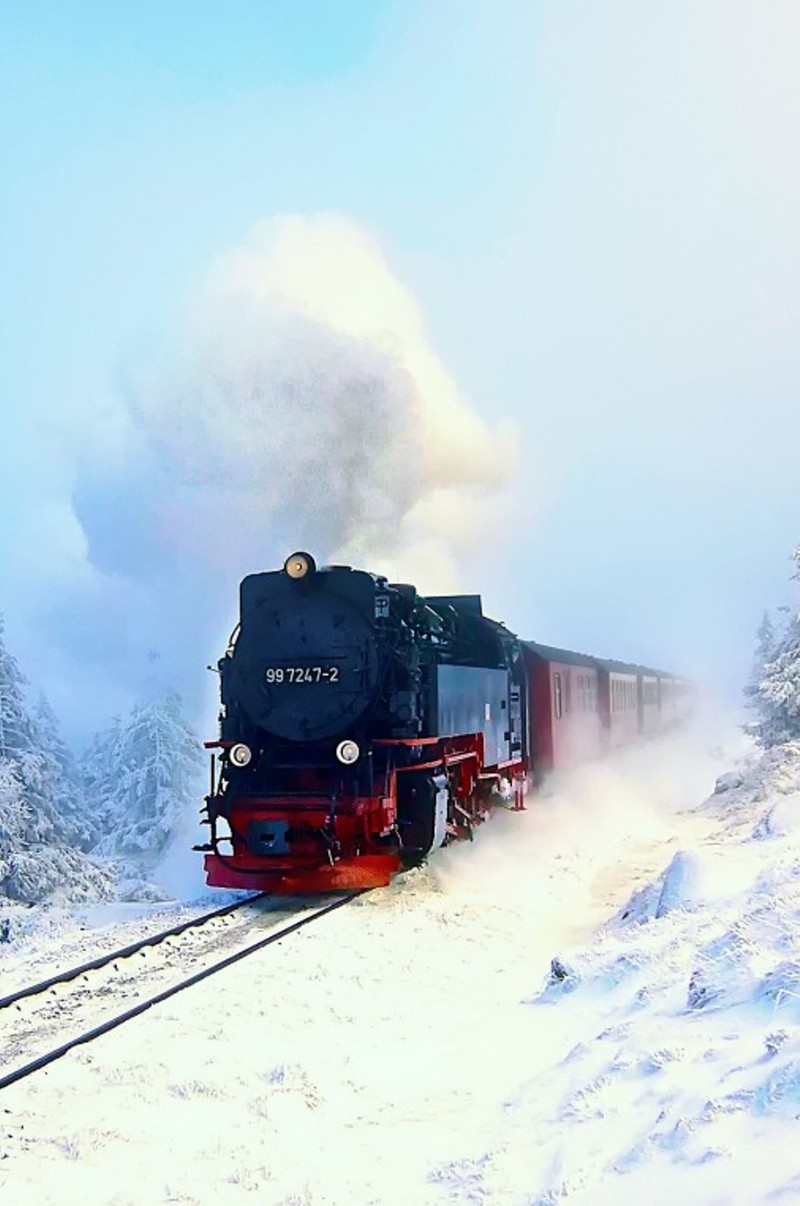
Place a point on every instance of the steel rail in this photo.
(119, 1019)
(124, 952)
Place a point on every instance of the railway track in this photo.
(124, 952)
(34, 1017)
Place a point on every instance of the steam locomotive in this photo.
(362, 726)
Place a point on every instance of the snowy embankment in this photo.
(420, 1047)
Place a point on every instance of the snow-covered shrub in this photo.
(728, 781)
(46, 871)
(682, 884)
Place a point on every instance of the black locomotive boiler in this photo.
(361, 726)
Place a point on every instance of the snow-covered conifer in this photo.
(767, 642)
(12, 809)
(42, 811)
(64, 800)
(15, 725)
(141, 777)
(30, 742)
(778, 697)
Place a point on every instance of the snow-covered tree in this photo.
(12, 809)
(43, 816)
(30, 739)
(767, 642)
(778, 692)
(141, 777)
(15, 723)
(65, 800)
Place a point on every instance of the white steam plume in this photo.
(305, 408)
(308, 405)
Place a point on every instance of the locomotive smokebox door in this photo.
(306, 666)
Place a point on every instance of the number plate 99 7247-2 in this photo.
(301, 674)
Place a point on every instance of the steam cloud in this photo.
(305, 408)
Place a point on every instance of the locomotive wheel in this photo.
(412, 858)
(416, 796)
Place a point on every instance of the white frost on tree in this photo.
(60, 772)
(15, 724)
(43, 818)
(767, 642)
(141, 777)
(13, 818)
(778, 692)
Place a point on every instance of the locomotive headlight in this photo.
(299, 565)
(240, 754)
(347, 752)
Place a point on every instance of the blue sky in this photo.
(595, 207)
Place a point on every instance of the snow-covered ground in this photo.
(420, 1046)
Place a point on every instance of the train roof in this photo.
(550, 653)
(615, 667)
(568, 657)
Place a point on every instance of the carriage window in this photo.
(557, 705)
